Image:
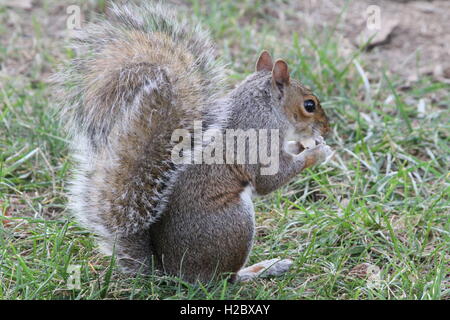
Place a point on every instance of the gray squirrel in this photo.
(138, 77)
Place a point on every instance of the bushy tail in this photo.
(113, 55)
(137, 76)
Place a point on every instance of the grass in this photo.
(381, 204)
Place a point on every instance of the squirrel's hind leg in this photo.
(133, 253)
(266, 268)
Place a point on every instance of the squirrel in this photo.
(136, 78)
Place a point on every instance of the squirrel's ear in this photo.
(264, 62)
(280, 74)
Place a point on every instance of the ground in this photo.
(371, 224)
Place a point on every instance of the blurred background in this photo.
(412, 38)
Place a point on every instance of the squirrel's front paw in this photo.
(323, 152)
(316, 155)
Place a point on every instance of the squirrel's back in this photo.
(137, 76)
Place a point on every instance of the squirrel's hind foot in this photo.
(266, 268)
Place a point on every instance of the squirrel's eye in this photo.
(310, 105)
